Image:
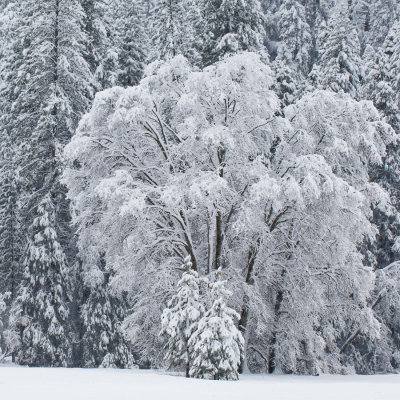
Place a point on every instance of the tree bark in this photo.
(219, 238)
(244, 314)
(272, 352)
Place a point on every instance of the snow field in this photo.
(17, 383)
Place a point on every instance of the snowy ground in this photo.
(17, 383)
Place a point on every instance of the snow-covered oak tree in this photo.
(180, 319)
(165, 184)
(337, 138)
(197, 162)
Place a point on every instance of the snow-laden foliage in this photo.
(294, 50)
(381, 16)
(10, 168)
(173, 29)
(2, 310)
(391, 49)
(231, 26)
(217, 345)
(196, 162)
(10, 241)
(338, 67)
(175, 185)
(179, 320)
(263, 164)
(382, 71)
(101, 53)
(53, 88)
(104, 341)
(4, 346)
(383, 82)
(132, 41)
(295, 34)
(387, 306)
(45, 338)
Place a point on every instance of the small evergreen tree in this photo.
(131, 43)
(6, 335)
(383, 82)
(101, 45)
(173, 29)
(383, 86)
(217, 344)
(382, 14)
(295, 35)
(45, 337)
(2, 312)
(10, 241)
(286, 79)
(391, 50)
(230, 26)
(179, 320)
(104, 342)
(339, 62)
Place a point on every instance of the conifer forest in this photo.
(203, 187)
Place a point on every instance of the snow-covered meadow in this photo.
(17, 383)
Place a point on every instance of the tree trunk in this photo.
(187, 369)
(272, 351)
(219, 238)
(244, 314)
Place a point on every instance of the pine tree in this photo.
(217, 344)
(382, 14)
(339, 63)
(391, 50)
(101, 45)
(286, 80)
(296, 36)
(173, 29)
(10, 242)
(43, 300)
(294, 50)
(11, 84)
(104, 342)
(55, 94)
(132, 40)
(230, 26)
(3, 310)
(179, 320)
(383, 71)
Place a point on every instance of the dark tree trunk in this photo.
(187, 370)
(244, 314)
(218, 241)
(272, 351)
